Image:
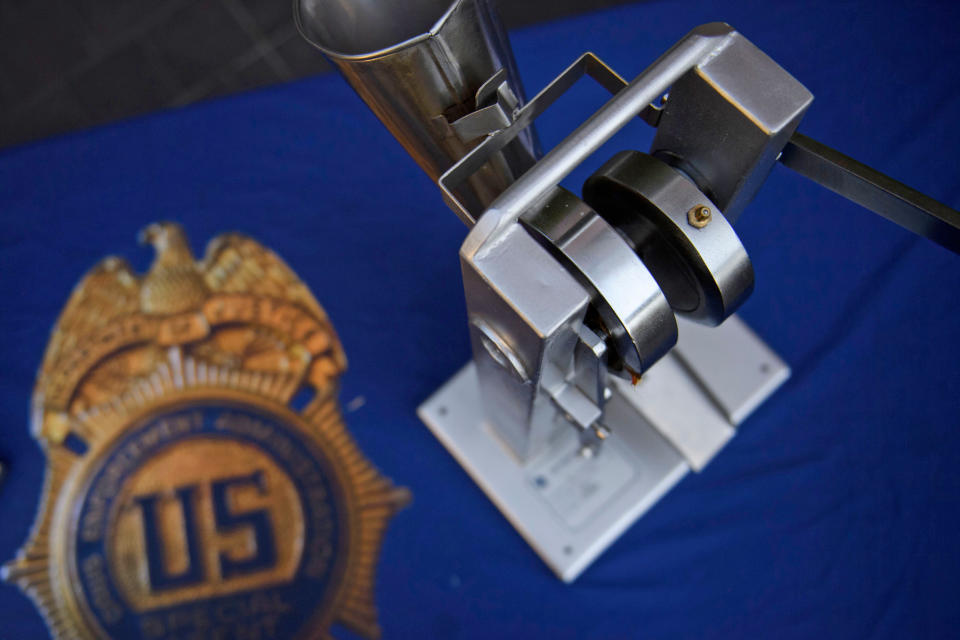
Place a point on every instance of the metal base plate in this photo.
(569, 507)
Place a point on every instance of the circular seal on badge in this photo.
(201, 483)
(213, 520)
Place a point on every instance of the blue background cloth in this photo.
(834, 511)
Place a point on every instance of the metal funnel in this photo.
(421, 66)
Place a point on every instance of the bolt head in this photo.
(699, 216)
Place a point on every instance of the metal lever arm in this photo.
(869, 188)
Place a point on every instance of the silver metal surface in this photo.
(734, 367)
(696, 47)
(536, 309)
(632, 308)
(495, 105)
(561, 292)
(726, 121)
(701, 266)
(586, 65)
(570, 507)
(869, 188)
(590, 367)
(419, 65)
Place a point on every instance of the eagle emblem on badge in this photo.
(200, 481)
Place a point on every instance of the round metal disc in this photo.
(630, 307)
(682, 237)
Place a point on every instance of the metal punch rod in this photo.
(869, 188)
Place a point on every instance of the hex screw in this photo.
(699, 216)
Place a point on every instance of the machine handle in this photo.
(877, 192)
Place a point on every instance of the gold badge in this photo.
(200, 481)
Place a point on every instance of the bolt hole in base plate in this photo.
(569, 507)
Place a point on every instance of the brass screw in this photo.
(699, 216)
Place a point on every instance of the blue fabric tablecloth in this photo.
(832, 514)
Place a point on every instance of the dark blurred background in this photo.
(68, 65)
